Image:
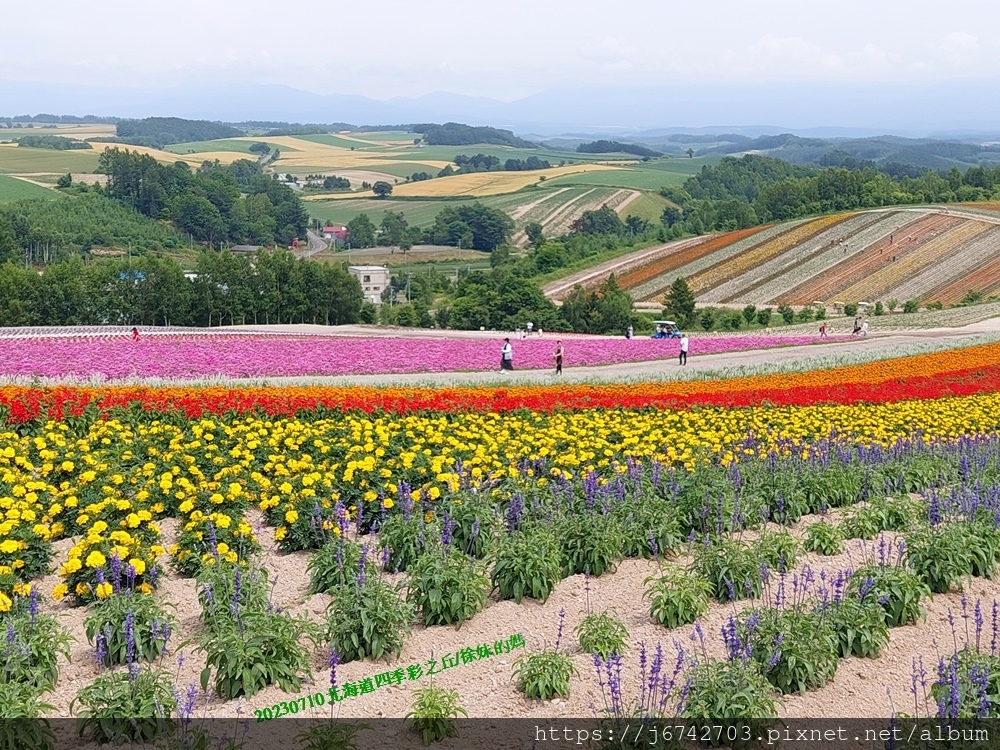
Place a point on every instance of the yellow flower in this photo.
(387, 503)
(95, 559)
(291, 516)
(22, 589)
(60, 591)
(223, 548)
(137, 565)
(104, 590)
(9, 546)
(280, 533)
(144, 588)
(82, 589)
(186, 506)
(5, 602)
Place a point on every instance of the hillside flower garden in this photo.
(780, 525)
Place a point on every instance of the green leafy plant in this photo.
(109, 621)
(591, 543)
(983, 542)
(133, 706)
(331, 735)
(475, 527)
(897, 590)
(859, 624)
(203, 538)
(940, 555)
(677, 596)
(433, 713)
(967, 677)
(731, 569)
(600, 633)
(544, 674)
(796, 649)
(776, 549)
(728, 689)
(528, 563)
(649, 527)
(248, 641)
(824, 538)
(20, 701)
(368, 619)
(406, 539)
(447, 587)
(862, 522)
(33, 642)
(336, 564)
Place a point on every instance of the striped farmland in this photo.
(727, 269)
(746, 285)
(953, 275)
(862, 262)
(891, 275)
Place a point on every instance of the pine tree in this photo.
(679, 303)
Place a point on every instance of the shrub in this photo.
(433, 713)
(879, 308)
(368, 619)
(731, 569)
(897, 590)
(20, 701)
(824, 538)
(336, 564)
(133, 706)
(939, 555)
(796, 649)
(474, 528)
(764, 316)
(32, 644)
(407, 539)
(649, 528)
(600, 633)
(776, 549)
(128, 627)
(544, 674)
(850, 310)
(892, 304)
(966, 684)
(911, 306)
(787, 313)
(860, 626)
(528, 563)
(331, 735)
(250, 643)
(983, 542)
(728, 689)
(677, 597)
(591, 543)
(750, 313)
(447, 587)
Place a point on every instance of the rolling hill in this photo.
(927, 253)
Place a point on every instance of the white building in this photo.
(373, 280)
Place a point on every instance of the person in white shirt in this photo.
(864, 329)
(530, 326)
(507, 356)
(684, 350)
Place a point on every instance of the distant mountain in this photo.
(822, 110)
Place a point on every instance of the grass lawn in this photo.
(648, 206)
(27, 160)
(683, 165)
(417, 213)
(15, 190)
(635, 178)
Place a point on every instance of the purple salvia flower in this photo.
(116, 570)
(386, 555)
(129, 638)
(978, 619)
(33, 604)
(562, 622)
(446, 528)
(102, 650)
(334, 661)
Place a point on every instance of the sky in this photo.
(505, 51)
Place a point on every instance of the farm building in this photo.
(335, 233)
(373, 280)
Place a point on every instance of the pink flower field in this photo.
(252, 356)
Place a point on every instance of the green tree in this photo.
(749, 313)
(893, 304)
(8, 242)
(382, 189)
(911, 306)
(707, 318)
(787, 313)
(533, 231)
(764, 316)
(64, 181)
(690, 153)
(393, 228)
(679, 303)
(361, 231)
(850, 309)
(879, 309)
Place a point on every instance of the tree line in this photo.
(225, 289)
(752, 190)
(54, 142)
(472, 226)
(157, 132)
(237, 203)
(615, 147)
(488, 163)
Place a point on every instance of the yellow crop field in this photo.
(162, 156)
(80, 132)
(476, 184)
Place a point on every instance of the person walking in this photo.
(629, 332)
(864, 329)
(684, 350)
(558, 357)
(507, 356)
(135, 334)
(822, 331)
(530, 326)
